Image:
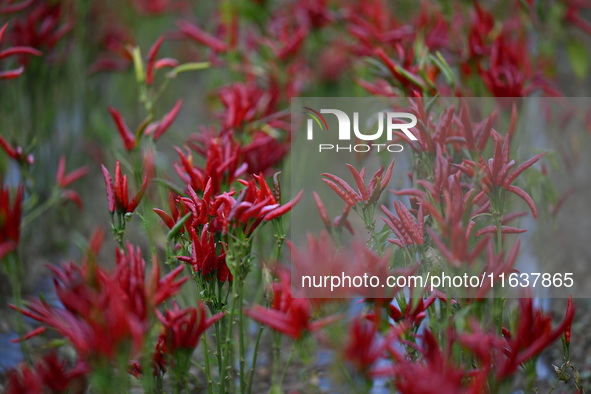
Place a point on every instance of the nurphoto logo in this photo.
(395, 123)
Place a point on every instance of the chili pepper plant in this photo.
(145, 183)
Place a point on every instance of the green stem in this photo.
(254, 357)
(219, 345)
(530, 378)
(499, 235)
(227, 359)
(497, 212)
(498, 302)
(554, 386)
(348, 377)
(39, 210)
(287, 365)
(276, 352)
(218, 340)
(279, 236)
(369, 212)
(241, 337)
(159, 384)
(207, 368)
(14, 270)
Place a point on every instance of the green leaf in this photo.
(55, 343)
(430, 102)
(578, 56)
(378, 67)
(410, 76)
(138, 64)
(178, 226)
(444, 68)
(188, 67)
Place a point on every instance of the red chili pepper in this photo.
(168, 221)
(149, 173)
(20, 51)
(118, 185)
(348, 199)
(166, 62)
(526, 197)
(11, 74)
(467, 126)
(126, 135)
(10, 151)
(283, 209)
(202, 37)
(65, 180)
(386, 178)
(109, 186)
(139, 195)
(118, 193)
(151, 59)
(266, 190)
(345, 186)
(506, 332)
(359, 181)
(30, 334)
(12, 8)
(567, 330)
(73, 196)
(504, 230)
(293, 44)
(522, 167)
(322, 210)
(167, 119)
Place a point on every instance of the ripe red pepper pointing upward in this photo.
(117, 192)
